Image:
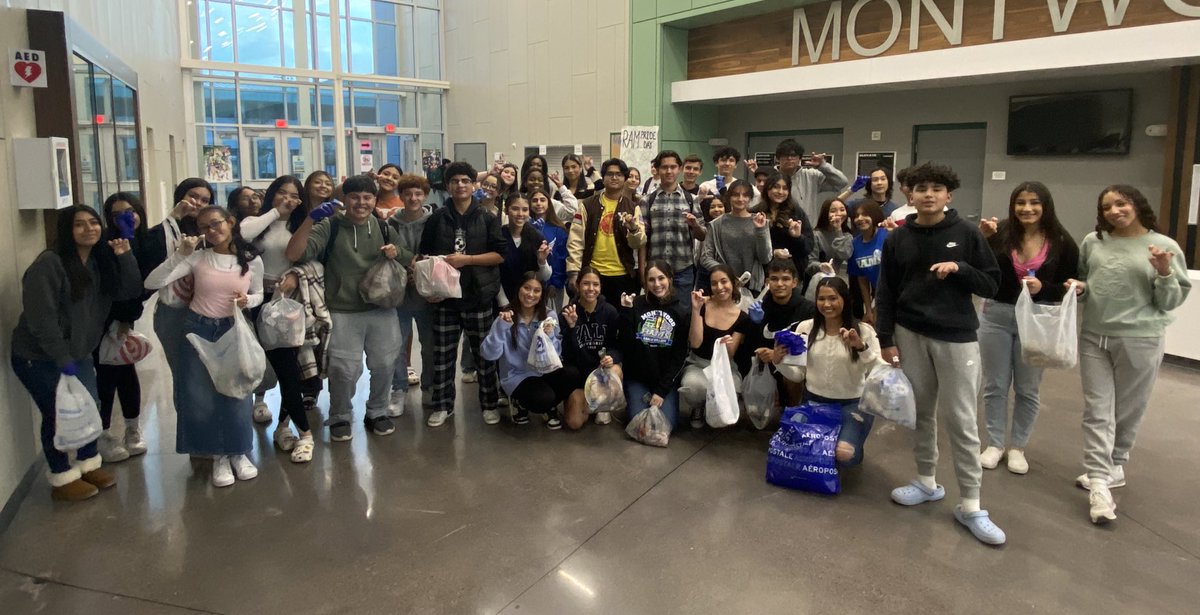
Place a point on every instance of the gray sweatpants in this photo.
(1118, 375)
(945, 379)
(693, 384)
(376, 334)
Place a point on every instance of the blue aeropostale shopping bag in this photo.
(802, 453)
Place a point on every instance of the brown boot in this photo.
(102, 479)
(75, 491)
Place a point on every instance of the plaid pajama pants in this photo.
(448, 326)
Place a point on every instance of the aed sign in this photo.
(27, 68)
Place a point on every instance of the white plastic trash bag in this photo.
(759, 391)
(1049, 338)
(720, 403)
(888, 394)
(384, 283)
(603, 391)
(281, 324)
(127, 348)
(542, 355)
(436, 279)
(650, 427)
(76, 418)
(235, 361)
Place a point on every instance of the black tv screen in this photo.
(1071, 124)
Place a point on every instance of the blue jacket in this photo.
(558, 254)
(513, 356)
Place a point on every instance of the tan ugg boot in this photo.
(68, 486)
(91, 473)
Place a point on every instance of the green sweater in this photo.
(1125, 296)
(355, 249)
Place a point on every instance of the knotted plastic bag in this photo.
(235, 361)
(436, 279)
(603, 391)
(281, 324)
(888, 394)
(76, 418)
(384, 283)
(127, 348)
(543, 357)
(759, 391)
(802, 453)
(1049, 338)
(650, 427)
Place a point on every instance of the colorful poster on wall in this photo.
(366, 162)
(431, 159)
(639, 145)
(27, 68)
(614, 145)
(218, 164)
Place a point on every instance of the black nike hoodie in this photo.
(912, 296)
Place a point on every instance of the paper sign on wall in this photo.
(639, 145)
(579, 150)
(366, 162)
(541, 150)
(27, 68)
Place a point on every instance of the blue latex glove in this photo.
(70, 369)
(756, 312)
(720, 183)
(125, 224)
(478, 194)
(860, 183)
(324, 210)
(794, 342)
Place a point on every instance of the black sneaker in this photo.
(519, 415)
(340, 431)
(380, 426)
(553, 421)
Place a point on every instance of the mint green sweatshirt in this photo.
(1125, 296)
(355, 249)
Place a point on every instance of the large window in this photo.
(106, 121)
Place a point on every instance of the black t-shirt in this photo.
(742, 325)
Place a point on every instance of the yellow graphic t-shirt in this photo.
(604, 254)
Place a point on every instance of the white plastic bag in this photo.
(436, 279)
(542, 355)
(888, 394)
(76, 418)
(123, 349)
(281, 324)
(1049, 338)
(650, 427)
(235, 361)
(720, 403)
(603, 391)
(759, 391)
(384, 283)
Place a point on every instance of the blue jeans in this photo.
(856, 426)
(1000, 348)
(637, 397)
(209, 423)
(41, 380)
(422, 313)
(684, 283)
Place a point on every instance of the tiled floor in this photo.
(469, 518)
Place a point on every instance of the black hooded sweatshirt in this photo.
(775, 318)
(591, 333)
(654, 340)
(912, 296)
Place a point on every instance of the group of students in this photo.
(647, 284)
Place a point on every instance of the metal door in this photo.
(962, 147)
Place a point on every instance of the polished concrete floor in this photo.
(469, 518)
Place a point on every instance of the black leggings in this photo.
(540, 394)
(119, 380)
(286, 363)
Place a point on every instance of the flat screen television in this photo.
(1072, 124)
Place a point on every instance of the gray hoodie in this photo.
(406, 235)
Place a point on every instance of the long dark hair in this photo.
(231, 200)
(110, 224)
(585, 270)
(666, 270)
(242, 249)
(551, 215)
(530, 237)
(381, 170)
(581, 182)
(306, 204)
(269, 198)
(886, 173)
(539, 310)
(1145, 213)
(733, 278)
(194, 182)
(780, 215)
(1011, 233)
(848, 321)
(823, 217)
(78, 274)
(545, 171)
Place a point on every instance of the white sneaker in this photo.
(262, 414)
(990, 457)
(1103, 508)
(396, 403)
(111, 449)
(491, 417)
(134, 442)
(603, 418)
(1017, 464)
(222, 474)
(413, 377)
(242, 468)
(1115, 480)
(470, 377)
(437, 419)
(285, 438)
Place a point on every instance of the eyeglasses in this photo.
(459, 181)
(211, 226)
(615, 174)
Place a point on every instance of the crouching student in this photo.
(349, 243)
(66, 295)
(783, 308)
(590, 340)
(1132, 277)
(508, 344)
(654, 332)
(927, 323)
(715, 318)
(841, 351)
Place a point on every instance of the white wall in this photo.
(530, 72)
(1074, 181)
(154, 53)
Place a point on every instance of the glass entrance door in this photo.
(280, 152)
(375, 149)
